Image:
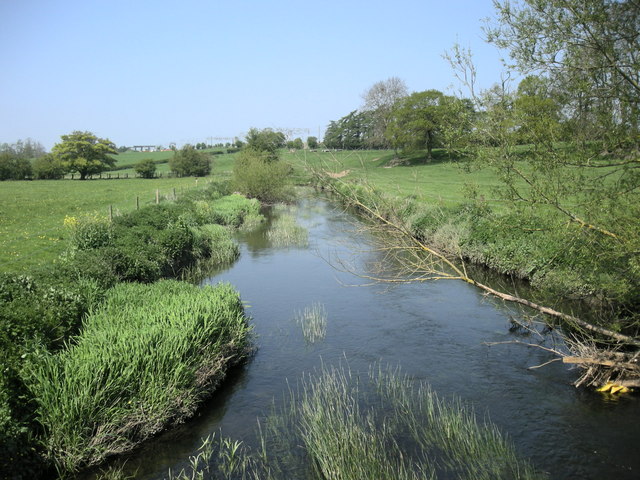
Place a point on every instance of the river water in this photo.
(436, 332)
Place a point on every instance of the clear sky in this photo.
(155, 72)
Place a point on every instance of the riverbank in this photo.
(90, 368)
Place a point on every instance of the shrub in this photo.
(257, 176)
(233, 209)
(146, 168)
(142, 362)
(190, 162)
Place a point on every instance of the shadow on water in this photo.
(436, 332)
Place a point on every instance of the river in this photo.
(436, 332)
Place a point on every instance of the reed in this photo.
(285, 232)
(341, 426)
(143, 361)
(313, 321)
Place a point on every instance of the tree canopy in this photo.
(189, 162)
(266, 141)
(85, 153)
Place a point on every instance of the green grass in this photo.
(32, 213)
(285, 231)
(143, 361)
(440, 181)
(343, 426)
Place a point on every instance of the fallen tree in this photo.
(603, 354)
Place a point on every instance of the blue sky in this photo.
(155, 72)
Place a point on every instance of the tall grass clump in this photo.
(342, 426)
(143, 361)
(285, 232)
(313, 321)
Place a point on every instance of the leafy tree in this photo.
(85, 153)
(379, 101)
(189, 162)
(145, 168)
(265, 141)
(295, 144)
(257, 175)
(587, 49)
(312, 142)
(48, 167)
(420, 120)
(12, 167)
(351, 132)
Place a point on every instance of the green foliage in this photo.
(14, 168)
(351, 132)
(266, 142)
(189, 162)
(256, 175)
(295, 144)
(84, 153)
(34, 315)
(423, 119)
(146, 168)
(48, 167)
(232, 210)
(143, 361)
(312, 142)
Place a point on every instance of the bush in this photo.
(146, 168)
(190, 162)
(257, 176)
(143, 361)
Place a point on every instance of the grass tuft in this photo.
(313, 321)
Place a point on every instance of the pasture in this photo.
(32, 213)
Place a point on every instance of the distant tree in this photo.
(265, 141)
(351, 132)
(312, 142)
(379, 100)
(145, 168)
(85, 153)
(122, 149)
(12, 167)
(48, 167)
(238, 143)
(188, 162)
(295, 144)
(419, 120)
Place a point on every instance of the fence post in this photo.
(111, 213)
(157, 196)
(174, 193)
(137, 203)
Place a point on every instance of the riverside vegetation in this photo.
(65, 328)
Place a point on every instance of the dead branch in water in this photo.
(422, 262)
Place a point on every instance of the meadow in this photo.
(32, 213)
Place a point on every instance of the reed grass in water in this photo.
(285, 232)
(143, 361)
(313, 321)
(339, 426)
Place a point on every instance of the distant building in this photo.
(144, 148)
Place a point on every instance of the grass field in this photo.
(32, 213)
(440, 181)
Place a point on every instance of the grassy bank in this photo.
(40, 313)
(144, 360)
(459, 210)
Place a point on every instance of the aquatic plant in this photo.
(313, 321)
(384, 425)
(285, 232)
